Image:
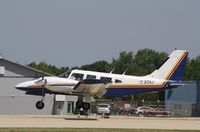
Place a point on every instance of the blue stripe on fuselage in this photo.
(62, 85)
(178, 73)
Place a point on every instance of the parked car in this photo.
(149, 111)
(156, 112)
(140, 110)
(103, 109)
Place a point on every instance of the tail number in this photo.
(147, 82)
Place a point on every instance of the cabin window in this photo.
(92, 77)
(77, 76)
(118, 81)
(106, 79)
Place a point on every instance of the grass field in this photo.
(86, 130)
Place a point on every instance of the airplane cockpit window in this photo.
(92, 77)
(65, 75)
(118, 81)
(77, 76)
(108, 79)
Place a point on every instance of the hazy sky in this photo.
(77, 32)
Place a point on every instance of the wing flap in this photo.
(92, 87)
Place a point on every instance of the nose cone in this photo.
(23, 85)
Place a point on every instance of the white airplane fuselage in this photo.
(121, 85)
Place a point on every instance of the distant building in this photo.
(13, 101)
(184, 100)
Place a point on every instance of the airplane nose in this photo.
(22, 85)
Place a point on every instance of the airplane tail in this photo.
(173, 66)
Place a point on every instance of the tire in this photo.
(86, 106)
(40, 105)
(79, 104)
(140, 114)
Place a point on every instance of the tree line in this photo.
(142, 63)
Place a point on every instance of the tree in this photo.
(146, 61)
(123, 63)
(43, 66)
(193, 69)
(100, 66)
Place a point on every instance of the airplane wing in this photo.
(92, 87)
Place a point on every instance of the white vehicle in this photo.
(103, 109)
(140, 110)
(88, 83)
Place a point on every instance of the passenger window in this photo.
(77, 76)
(107, 79)
(92, 77)
(118, 81)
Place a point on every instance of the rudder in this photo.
(173, 68)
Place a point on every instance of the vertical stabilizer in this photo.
(173, 67)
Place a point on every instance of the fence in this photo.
(157, 108)
(26, 105)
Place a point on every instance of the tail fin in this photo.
(173, 67)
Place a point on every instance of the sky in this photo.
(77, 32)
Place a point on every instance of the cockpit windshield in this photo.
(65, 74)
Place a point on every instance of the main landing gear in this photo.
(85, 106)
(80, 104)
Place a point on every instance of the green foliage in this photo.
(100, 66)
(123, 63)
(146, 96)
(146, 61)
(43, 66)
(192, 70)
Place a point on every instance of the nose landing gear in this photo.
(40, 105)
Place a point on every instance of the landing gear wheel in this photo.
(79, 104)
(40, 105)
(86, 106)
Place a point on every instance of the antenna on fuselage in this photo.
(112, 70)
(125, 71)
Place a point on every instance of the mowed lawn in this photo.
(86, 130)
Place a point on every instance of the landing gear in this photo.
(80, 104)
(83, 107)
(40, 105)
(86, 106)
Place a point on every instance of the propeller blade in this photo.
(45, 82)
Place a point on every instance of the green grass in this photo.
(86, 130)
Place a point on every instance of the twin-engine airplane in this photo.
(88, 83)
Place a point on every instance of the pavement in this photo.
(71, 121)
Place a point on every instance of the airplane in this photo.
(87, 84)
